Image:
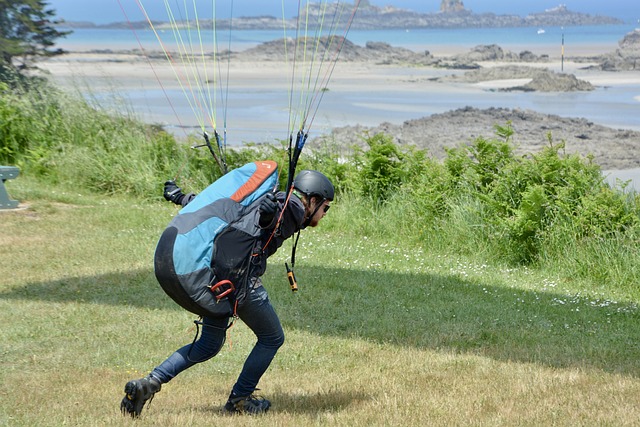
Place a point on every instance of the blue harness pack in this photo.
(203, 257)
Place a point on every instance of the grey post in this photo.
(7, 172)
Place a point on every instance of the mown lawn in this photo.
(381, 333)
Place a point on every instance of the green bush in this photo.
(384, 167)
(61, 138)
(17, 124)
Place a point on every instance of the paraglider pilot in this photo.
(308, 204)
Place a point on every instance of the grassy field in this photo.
(381, 333)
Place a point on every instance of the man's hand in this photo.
(172, 192)
(268, 209)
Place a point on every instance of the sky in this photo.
(106, 11)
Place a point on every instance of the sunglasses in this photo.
(326, 208)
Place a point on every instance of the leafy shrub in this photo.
(17, 122)
(384, 167)
(380, 167)
(524, 198)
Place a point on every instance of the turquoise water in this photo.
(415, 38)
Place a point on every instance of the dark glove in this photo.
(268, 209)
(172, 192)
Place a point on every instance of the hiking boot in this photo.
(247, 405)
(137, 393)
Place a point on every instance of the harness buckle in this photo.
(222, 288)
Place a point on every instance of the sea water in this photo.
(263, 115)
(416, 39)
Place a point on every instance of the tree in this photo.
(27, 32)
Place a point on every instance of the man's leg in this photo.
(140, 391)
(257, 313)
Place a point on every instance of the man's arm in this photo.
(268, 209)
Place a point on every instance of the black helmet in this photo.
(313, 183)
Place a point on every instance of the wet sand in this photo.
(261, 90)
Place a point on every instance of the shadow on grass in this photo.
(445, 313)
(303, 404)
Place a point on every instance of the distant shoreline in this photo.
(576, 50)
(372, 17)
(578, 41)
(374, 95)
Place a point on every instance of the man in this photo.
(307, 205)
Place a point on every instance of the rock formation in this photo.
(448, 6)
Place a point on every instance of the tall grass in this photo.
(63, 139)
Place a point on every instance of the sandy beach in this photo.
(127, 71)
(363, 94)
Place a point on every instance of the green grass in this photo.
(382, 332)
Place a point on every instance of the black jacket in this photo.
(271, 239)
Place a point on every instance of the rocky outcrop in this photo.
(369, 17)
(611, 148)
(548, 81)
(382, 53)
(630, 43)
(626, 58)
(456, 16)
(561, 16)
(375, 52)
(448, 6)
(540, 79)
(490, 52)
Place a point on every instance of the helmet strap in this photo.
(298, 194)
(315, 211)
